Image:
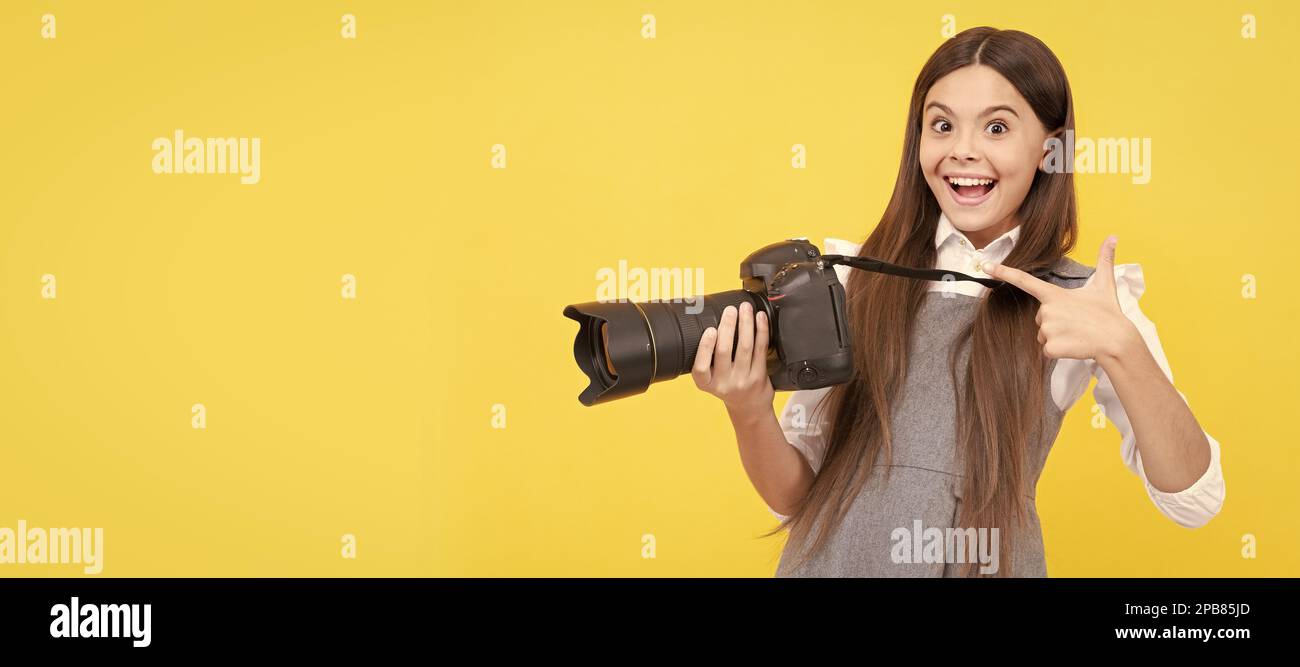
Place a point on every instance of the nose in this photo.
(963, 149)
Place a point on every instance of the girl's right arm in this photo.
(778, 471)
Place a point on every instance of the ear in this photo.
(1059, 135)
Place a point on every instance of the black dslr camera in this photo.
(623, 347)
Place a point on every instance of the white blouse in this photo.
(806, 427)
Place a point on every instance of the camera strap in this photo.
(879, 266)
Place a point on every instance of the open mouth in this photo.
(970, 191)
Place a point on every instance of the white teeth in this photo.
(955, 180)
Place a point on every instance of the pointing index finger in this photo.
(1039, 289)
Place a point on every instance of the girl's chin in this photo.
(970, 218)
(968, 222)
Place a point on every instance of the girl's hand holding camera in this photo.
(742, 383)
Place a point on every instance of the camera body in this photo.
(805, 302)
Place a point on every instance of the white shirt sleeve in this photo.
(1192, 507)
(805, 422)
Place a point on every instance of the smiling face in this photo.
(980, 146)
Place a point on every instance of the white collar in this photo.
(946, 230)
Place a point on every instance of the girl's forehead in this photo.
(972, 89)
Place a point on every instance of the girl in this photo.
(959, 390)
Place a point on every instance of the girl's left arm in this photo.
(1175, 450)
(1101, 324)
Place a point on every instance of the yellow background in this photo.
(373, 417)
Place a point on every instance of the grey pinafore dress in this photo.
(925, 484)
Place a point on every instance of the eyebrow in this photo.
(996, 107)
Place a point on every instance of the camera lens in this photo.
(624, 347)
(604, 348)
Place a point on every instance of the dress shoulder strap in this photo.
(1070, 274)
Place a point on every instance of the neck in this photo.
(981, 238)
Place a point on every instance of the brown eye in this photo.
(998, 123)
(946, 124)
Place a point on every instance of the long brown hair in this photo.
(1000, 401)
